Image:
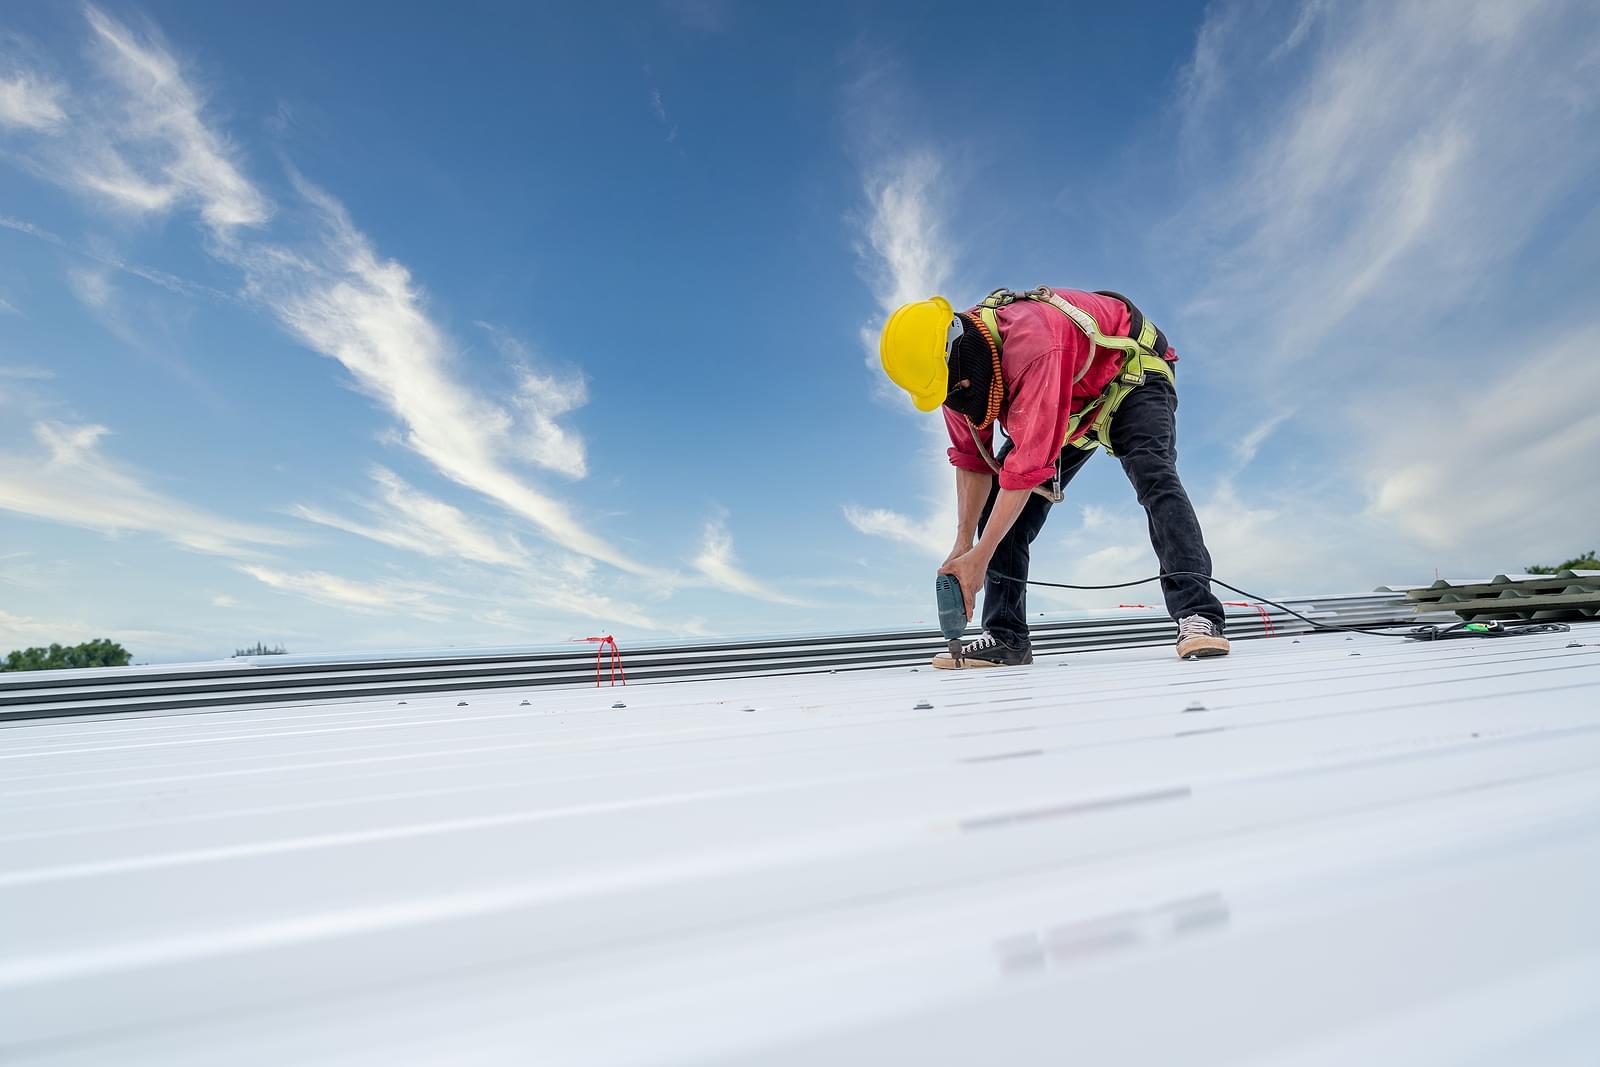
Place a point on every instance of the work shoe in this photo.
(1198, 638)
(985, 652)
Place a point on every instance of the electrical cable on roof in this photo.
(1419, 633)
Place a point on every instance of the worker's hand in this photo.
(955, 553)
(970, 569)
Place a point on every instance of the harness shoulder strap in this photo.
(1128, 346)
(1140, 328)
(991, 322)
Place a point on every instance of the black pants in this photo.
(1144, 435)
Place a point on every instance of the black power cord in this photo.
(1419, 633)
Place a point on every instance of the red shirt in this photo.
(1040, 353)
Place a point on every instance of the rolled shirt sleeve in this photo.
(963, 453)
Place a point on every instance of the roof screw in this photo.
(402, 703)
(1355, 653)
(619, 704)
(747, 709)
(461, 703)
(523, 704)
(1575, 644)
(1296, 641)
(923, 706)
(1195, 705)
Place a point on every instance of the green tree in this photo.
(97, 653)
(1585, 562)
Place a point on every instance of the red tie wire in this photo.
(1266, 620)
(607, 643)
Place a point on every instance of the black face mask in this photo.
(970, 362)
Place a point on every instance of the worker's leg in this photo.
(1144, 434)
(1005, 601)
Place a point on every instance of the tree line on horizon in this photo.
(101, 652)
(1585, 562)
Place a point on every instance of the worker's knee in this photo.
(1153, 473)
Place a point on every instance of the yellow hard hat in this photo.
(913, 350)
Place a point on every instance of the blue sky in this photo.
(493, 324)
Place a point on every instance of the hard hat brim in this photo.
(928, 401)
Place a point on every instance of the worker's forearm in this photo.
(1007, 506)
(972, 492)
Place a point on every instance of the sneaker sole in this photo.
(1203, 653)
(945, 663)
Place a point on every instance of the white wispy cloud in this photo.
(170, 282)
(541, 399)
(92, 287)
(1504, 459)
(1249, 443)
(149, 327)
(8, 308)
(509, 578)
(659, 106)
(404, 518)
(719, 566)
(930, 535)
(24, 226)
(345, 301)
(73, 481)
(30, 102)
(1203, 78)
(908, 256)
(1372, 205)
(103, 301)
(1310, 13)
(158, 149)
(386, 595)
(1381, 170)
(141, 141)
(153, 149)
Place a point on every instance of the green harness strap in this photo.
(1091, 427)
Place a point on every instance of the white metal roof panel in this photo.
(1318, 850)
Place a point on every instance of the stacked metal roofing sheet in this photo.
(1319, 850)
(1543, 597)
(281, 679)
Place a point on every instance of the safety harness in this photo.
(1144, 352)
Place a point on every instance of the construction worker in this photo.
(1061, 372)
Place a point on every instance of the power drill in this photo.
(952, 612)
